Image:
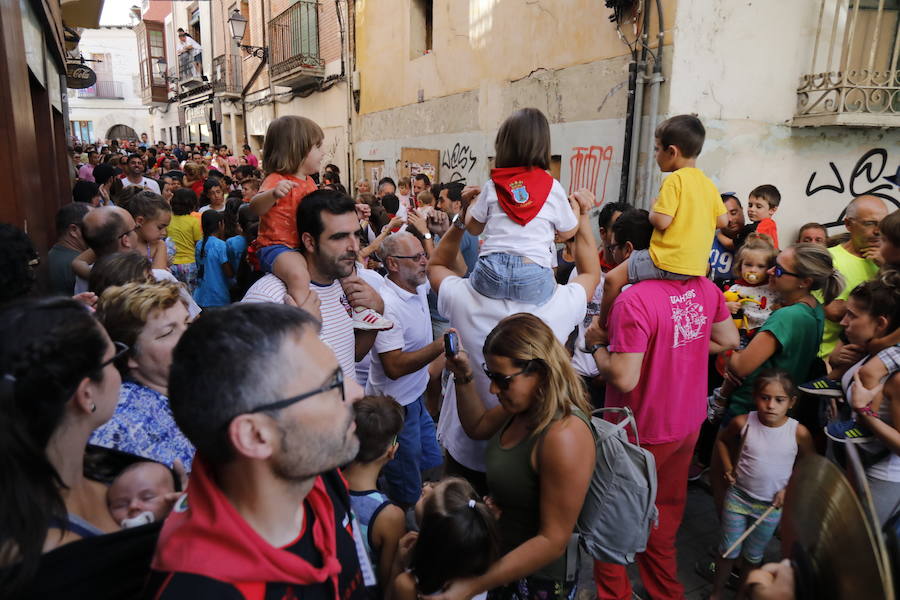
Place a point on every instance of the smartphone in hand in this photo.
(451, 343)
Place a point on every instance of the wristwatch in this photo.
(596, 347)
(427, 235)
(458, 222)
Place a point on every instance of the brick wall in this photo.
(329, 32)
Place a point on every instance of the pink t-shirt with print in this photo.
(670, 322)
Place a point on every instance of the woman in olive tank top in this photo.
(540, 457)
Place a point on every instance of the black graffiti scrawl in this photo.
(459, 162)
(866, 177)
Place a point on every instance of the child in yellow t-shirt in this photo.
(685, 216)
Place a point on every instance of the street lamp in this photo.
(238, 24)
(162, 70)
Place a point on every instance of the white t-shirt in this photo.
(411, 332)
(474, 316)
(337, 324)
(533, 241)
(146, 182)
(584, 363)
(377, 282)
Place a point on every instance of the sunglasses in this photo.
(502, 380)
(778, 271)
(121, 350)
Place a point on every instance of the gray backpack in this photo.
(620, 507)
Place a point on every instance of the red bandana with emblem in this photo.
(521, 191)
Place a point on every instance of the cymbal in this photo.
(836, 551)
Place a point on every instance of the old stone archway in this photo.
(120, 132)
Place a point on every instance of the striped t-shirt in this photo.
(337, 324)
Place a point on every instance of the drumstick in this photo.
(749, 531)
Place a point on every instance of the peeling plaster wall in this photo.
(585, 105)
(588, 151)
(737, 65)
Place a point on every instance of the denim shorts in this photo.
(509, 277)
(641, 268)
(268, 254)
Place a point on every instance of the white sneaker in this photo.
(368, 319)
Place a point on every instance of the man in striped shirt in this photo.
(327, 223)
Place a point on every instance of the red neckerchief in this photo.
(521, 191)
(206, 535)
(390, 218)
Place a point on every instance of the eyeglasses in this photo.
(502, 380)
(866, 224)
(778, 271)
(336, 381)
(130, 231)
(121, 350)
(416, 257)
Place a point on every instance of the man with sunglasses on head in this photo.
(266, 514)
(474, 316)
(400, 360)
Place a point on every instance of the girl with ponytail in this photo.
(57, 384)
(458, 537)
(213, 268)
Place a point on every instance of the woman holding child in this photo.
(540, 457)
(57, 384)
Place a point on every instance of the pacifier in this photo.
(145, 518)
(752, 277)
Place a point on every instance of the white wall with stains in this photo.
(737, 65)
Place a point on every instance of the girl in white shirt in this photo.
(758, 452)
(522, 210)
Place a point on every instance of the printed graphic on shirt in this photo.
(688, 318)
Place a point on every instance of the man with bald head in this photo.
(857, 259)
(400, 359)
(109, 229)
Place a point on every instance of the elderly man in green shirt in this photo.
(857, 259)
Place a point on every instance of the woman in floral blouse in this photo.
(149, 318)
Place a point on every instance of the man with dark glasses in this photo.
(270, 412)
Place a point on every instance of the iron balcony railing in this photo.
(186, 68)
(227, 76)
(294, 40)
(853, 76)
(103, 89)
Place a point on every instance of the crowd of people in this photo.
(244, 381)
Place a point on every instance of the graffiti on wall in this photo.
(589, 168)
(456, 164)
(866, 177)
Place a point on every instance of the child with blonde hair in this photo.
(292, 153)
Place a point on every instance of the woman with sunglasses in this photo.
(540, 456)
(57, 384)
(150, 319)
(788, 340)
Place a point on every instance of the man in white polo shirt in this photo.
(400, 361)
